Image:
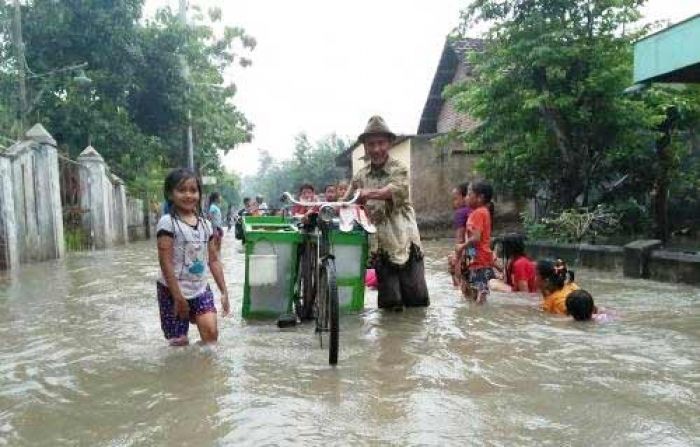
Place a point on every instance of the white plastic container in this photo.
(263, 270)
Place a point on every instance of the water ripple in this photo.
(83, 362)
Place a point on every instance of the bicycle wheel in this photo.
(307, 283)
(328, 308)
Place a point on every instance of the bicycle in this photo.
(316, 295)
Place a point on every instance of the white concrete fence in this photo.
(31, 213)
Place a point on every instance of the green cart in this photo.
(271, 245)
(272, 264)
(350, 250)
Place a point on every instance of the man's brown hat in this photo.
(376, 126)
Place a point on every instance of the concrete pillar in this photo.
(9, 256)
(49, 213)
(98, 189)
(637, 254)
(23, 195)
(120, 212)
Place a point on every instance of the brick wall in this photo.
(449, 119)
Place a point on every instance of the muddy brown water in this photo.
(83, 362)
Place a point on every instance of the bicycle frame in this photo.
(322, 286)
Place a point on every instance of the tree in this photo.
(135, 111)
(668, 166)
(311, 163)
(549, 94)
(229, 185)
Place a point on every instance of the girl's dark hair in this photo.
(512, 246)
(555, 273)
(173, 179)
(580, 305)
(307, 186)
(463, 189)
(214, 197)
(483, 188)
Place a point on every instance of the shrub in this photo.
(574, 225)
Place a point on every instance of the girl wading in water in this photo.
(518, 269)
(556, 282)
(476, 248)
(185, 249)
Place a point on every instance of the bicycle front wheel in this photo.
(305, 300)
(329, 311)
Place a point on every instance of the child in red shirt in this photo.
(478, 243)
(519, 271)
(306, 194)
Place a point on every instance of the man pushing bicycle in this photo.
(383, 189)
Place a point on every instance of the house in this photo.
(436, 164)
(665, 55)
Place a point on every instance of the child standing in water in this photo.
(216, 219)
(478, 243)
(459, 224)
(184, 250)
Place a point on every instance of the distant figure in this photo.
(307, 193)
(184, 252)
(476, 249)
(556, 282)
(229, 218)
(341, 189)
(246, 207)
(254, 209)
(330, 193)
(262, 206)
(216, 219)
(238, 226)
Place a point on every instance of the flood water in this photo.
(83, 362)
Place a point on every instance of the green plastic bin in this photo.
(267, 292)
(350, 251)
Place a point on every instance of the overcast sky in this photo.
(325, 66)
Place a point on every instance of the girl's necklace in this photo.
(190, 220)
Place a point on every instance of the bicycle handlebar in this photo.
(288, 198)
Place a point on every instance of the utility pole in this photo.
(21, 75)
(190, 144)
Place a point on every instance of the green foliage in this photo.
(634, 217)
(536, 229)
(76, 238)
(135, 111)
(574, 225)
(549, 94)
(311, 163)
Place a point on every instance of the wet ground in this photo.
(83, 362)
